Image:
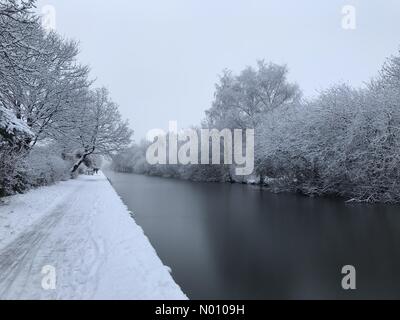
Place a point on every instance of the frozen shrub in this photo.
(44, 166)
(10, 177)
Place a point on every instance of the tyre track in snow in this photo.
(87, 234)
(21, 260)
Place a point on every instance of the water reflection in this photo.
(227, 241)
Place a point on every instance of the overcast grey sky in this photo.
(160, 59)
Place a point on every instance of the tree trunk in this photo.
(80, 161)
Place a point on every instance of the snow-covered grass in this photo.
(82, 229)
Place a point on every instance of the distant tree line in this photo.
(345, 142)
(52, 120)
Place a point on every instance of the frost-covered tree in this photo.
(344, 142)
(95, 127)
(390, 73)
(39, 73)
(16, 25)
(42, 94)
(46, 103)
(305, 147)
(14, 134)
(241, 101)
(133, 159)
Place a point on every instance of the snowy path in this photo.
(83, 230)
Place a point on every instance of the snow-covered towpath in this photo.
(81, 230)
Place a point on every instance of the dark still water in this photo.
(227, 241)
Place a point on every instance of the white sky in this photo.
(160, 59)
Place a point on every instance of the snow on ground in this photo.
(83, 230)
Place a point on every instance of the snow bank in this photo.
(83, 230)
